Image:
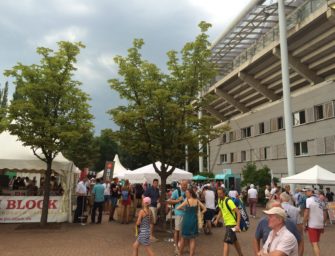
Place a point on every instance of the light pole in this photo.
(286, 89)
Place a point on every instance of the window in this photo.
(231, 136)
(318, 110)
(299, 117)
(280, 122)
(232, 157)
(243, 156)
(224, 138)
(261, 128)
(266, 153)
(246, 132)
(223, 158)
(301, 148)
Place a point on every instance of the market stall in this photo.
(17, 204)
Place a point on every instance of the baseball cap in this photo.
(278, 211)
(147, 200)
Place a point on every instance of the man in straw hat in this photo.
(280, 242)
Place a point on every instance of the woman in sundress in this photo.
(143, 228)
(190, 220)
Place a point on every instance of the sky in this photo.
(107, 28)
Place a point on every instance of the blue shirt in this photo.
(175, 195)
(153, 194)
(263, 230)
(98, 191)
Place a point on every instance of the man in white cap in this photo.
(280, 242)
(252, 200)
(314, 217)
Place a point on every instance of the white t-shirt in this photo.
(252, 193)
(210, 199)
(107, 187)
(283, 241)
(81, 188)
(315, 207)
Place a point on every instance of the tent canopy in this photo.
(147, 174)
(119, 169)
(314, 175)
(15, 156)
(226, 174)
(199, 177)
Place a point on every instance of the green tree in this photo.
(161, 115)
(49, 110)
(107, 148)
(259, 177)
(83, 151)
(3, 106)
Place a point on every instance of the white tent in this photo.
(314, 175)
(147, 174)
(119, 169)
(15, 156)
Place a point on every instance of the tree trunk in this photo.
(163, 203)
(45, 208)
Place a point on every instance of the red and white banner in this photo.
(18, 209)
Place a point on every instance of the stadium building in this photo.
(249, 90)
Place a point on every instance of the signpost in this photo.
(109, 170)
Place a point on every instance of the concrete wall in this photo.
(314, 132)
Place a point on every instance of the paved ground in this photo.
(111, 239)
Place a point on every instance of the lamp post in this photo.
(286, 89)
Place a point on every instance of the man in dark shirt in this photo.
(153, 193)
(329, 195)
(114, 196)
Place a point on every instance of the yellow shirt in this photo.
(228, 217)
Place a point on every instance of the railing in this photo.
(296, 17)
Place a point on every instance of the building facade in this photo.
(249, 92)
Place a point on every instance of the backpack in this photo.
(244, 222)
(179, 195)
(124, 195)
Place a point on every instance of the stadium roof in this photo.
(257, 18)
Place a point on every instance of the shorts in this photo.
(209, 214)
(107, 198)
(126, 202)
(178, 222)
(154, 214)
(314, 234)
(230, 235)
(114, 201)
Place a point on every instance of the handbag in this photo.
(200, 218)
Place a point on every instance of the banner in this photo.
(331, 211)
(108, 171)
(19, 209)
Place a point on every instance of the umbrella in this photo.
(199, 177)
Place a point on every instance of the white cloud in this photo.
(72, 34)
(74, 7)
(107, 61)
(87, 71)
(219, 11)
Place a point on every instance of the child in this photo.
(144, 220)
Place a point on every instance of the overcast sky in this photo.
(107, 28)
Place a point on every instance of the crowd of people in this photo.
(28, 187)
(278, 232)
